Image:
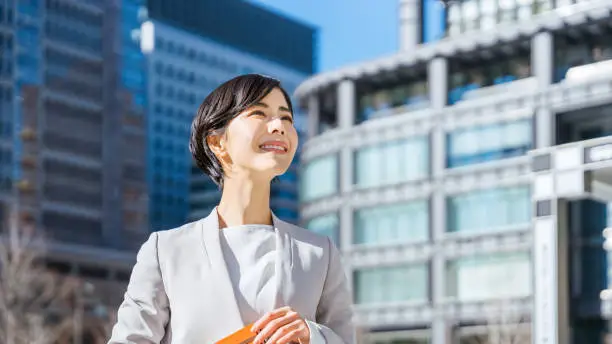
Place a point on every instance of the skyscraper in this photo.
(195, 46)
(73, 129)
(468, 178)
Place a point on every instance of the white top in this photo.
(250, 254)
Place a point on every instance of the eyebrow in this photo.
(282, 108)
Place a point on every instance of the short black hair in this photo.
(219, 108)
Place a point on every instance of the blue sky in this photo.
(349, 30)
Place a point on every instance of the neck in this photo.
(244, 201)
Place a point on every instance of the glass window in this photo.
(490, 209)
(328, 119)
(467, 75)
(478, 277)
(455, 26)
(288, 215)
(319, 178)
(392, 162)
(377, 101)
(390, 284)
(470, 15)
(326, 225)
(578, 51)
(393, 223)
(488, 143)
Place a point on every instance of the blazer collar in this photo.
(225, 293)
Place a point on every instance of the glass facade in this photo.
(483, 253)
(475, 145)
(469, 75)
(490, 209)
(434, 24)
(383, 101)
(478, 277)
(177, 90)
(27, 73)
(392, 224)
(392, 163)
(368, 288)
(578, 51)
(296, 52)
(328, 119)
(9, 96)
(319, 178)
(133, 73)
(134, 85)
(470, 15)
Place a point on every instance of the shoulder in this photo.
(307, 238)
(178, 238)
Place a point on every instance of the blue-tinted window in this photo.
(487, 143)
(392, 223)
(434, 20)
(319, 178)
(573, 51)
(472, 15)
(392, 162)
(285, 214)
(467, 75)
(588, 246)
(391, 284)
(133, 79)
(283, 194)
(377, 100)
(478, 277)
(489, 210)
(328, 119)
(288, 176)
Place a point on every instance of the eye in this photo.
(288, 118)
(257, 113)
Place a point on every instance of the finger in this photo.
(289, 332)
(274, 325)
(259, 324)
(292, 337)
(270, 328)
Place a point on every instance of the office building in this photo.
(72, 133)
(188, 57)
(426, 21)
(466, 182)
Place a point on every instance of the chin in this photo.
(273, 166)
(271, 171)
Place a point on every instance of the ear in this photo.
(215, 143)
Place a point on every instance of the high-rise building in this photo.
(188, 57)
(467, 181)
(425, 21)
(72, 117)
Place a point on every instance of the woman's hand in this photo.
(281, 326)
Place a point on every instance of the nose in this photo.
(276, 126)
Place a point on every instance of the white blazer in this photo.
(180, 290)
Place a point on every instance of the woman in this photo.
(240, 265)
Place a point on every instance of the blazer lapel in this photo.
(284, 263)
(224, 297)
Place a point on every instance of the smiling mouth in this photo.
(273, 148)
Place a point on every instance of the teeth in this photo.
(273, 147)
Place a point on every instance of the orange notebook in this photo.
(242, 336)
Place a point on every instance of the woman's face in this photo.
(262, 140)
